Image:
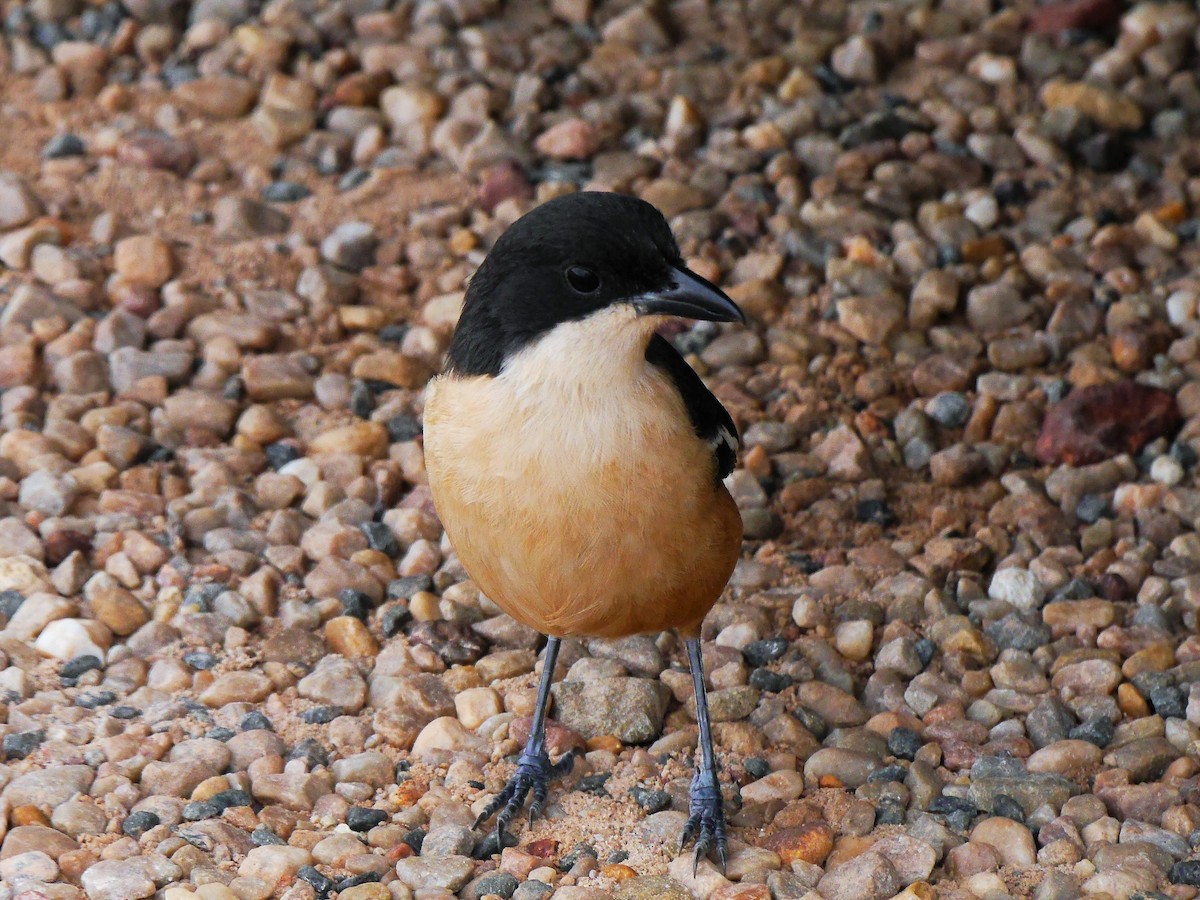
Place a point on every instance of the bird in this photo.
(577, 461)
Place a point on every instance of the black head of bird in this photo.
(569, 259)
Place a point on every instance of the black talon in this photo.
(488, 811)
(689, 831)
(506, 814)
(538, 802)
(534, 771)
(720, 833)
(502, 799)
(703, 844)
(706, 823)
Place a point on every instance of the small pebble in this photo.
(285, 192)
(138, 823)
(63, 146)
(360, 818)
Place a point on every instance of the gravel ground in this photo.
(959, 656)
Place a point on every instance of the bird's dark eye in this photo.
(583, 280)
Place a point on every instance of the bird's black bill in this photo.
(690, 297)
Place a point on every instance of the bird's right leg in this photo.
(706, 821)
(534, 769)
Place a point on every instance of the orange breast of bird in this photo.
(603, 524)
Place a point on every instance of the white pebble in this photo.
(993, 68)
(986, 884)
(853, 639)
(304, 469)
(1019, 587)
(737, 635)
(1181, 307)
(806, 612)
(983, 212)
(1166, 470)
(66, 639)
(15, 680)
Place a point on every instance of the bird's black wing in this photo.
(710, 419)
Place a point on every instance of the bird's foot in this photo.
(706, 822)
(532, 778)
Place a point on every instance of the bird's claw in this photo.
(533, 775)
(706, 821)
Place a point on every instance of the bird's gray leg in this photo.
(534, 769)
(706, 819)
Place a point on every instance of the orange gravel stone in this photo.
(618, 872)
(605, 742)
(809, 843)
(1132, 703)
(28, 815)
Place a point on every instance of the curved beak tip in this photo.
(691, 296)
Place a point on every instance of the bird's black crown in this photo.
(562, 261)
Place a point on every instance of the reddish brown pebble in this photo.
(153, 150)
(61, 544)
(1056, 18)
(544, 848)
(1113, 588)
(359, 89)
(1100, 421)
(140, 300)
(559, 738)
(503, 181)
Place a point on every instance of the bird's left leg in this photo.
(534, 769)
(706, 819)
